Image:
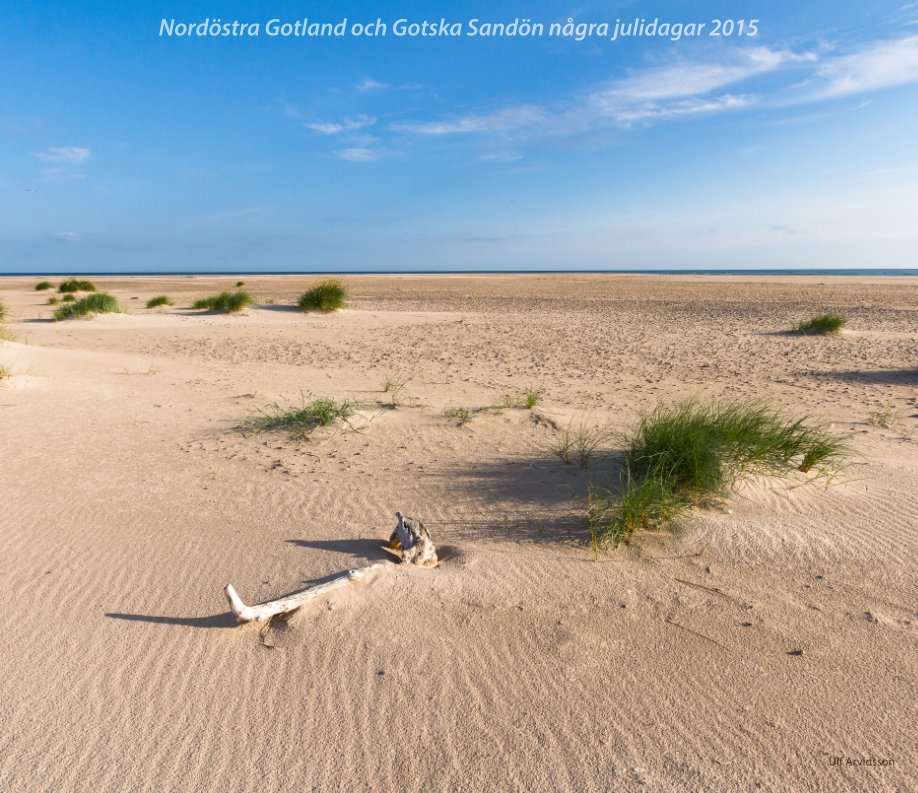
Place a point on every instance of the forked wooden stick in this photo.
(292, 602)
(410, 543)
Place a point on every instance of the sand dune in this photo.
(130, 499)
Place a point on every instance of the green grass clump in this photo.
(68, 298)
(2, 312)
(693, 453)
(302, 421)
(230, 302)
(328, 295)
(240, 284)
(75, 285)
(159, 300)
(5, 372)
(53, 301)
(823, 325)
(460, 415)
(43, 286)
(532, 398)
(98, 303)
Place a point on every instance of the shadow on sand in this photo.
(907, 377)
(360, 550)
(224, 620)
(525, 500)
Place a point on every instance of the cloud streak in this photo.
(64, 155)
(345, 125)
(884, 65)
(498, 121)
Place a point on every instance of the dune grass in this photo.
(159, 300)
(43, 286)
(302, 421)
(694, 453)
(53, 301)
(5, 373)
(5, 335)
(68, 298)
(228, 302)
(76, 285)
(579, 443)
(822, 325)
(326, 296)
(240, 284)
(89, 306)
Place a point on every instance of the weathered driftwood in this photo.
(292, 602)
(411, 542)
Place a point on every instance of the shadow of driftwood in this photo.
(224, 620)
(363, 550)
(907, 377)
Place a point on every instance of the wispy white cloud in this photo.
(368, 84)
(360, 154)
(501, 156)
(686, 88)
(345, 125)
(682, 88)
(68, 236)
(881, 65)
(64, 155)
(734, 80)
(498, 121)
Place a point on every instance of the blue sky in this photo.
(124, 150)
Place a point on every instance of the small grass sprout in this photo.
(159, 300)
(89, 306)
(532, 398)
(527, 400)
(822, 325)
(460, 415)
(326, 296)
(579, 442)
(302, 421)
(884, 417)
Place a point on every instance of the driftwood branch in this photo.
(292, 602)
(410, 543)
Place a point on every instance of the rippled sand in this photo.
(521, 664)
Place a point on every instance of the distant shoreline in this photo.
(173, 273)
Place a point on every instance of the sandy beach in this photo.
(760, 647)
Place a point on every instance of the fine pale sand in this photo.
(521, 664)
